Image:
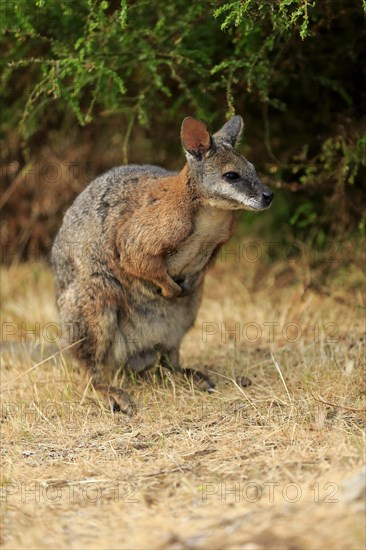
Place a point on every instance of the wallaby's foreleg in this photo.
(170, 361)
(152, 268)
(192, 281)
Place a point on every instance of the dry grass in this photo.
(251, 468)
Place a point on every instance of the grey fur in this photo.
(119, 320)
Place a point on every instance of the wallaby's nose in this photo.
(267, 196)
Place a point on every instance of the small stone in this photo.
(28, 453)
(243, 381)
(354, 488)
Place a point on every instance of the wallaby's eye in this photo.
(231, 176)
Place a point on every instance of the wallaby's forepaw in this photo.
(181, 287)
(171, 291)
(187, 285)
(187, 289)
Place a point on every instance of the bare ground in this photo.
(270, 465)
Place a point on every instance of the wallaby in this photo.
(132, 252)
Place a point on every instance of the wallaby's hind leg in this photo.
(170, 361)
(94, 331)
(117, 398)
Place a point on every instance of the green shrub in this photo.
(295, 70)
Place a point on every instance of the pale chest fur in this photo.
(212, 226)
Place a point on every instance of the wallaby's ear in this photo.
(196, 137)
(231, 131)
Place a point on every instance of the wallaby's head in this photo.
(224, 177)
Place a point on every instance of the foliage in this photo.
(294, 68)
(88, 54)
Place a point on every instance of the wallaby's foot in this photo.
(199, 378)
(170, 361)
(118, 399)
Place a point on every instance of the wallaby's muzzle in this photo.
(267, 197)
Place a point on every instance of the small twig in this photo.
(127, 137)
(282, 378)
(14, 184)
(164, 472)
(267, 137)
(336, 405)
(41, 363)
(43, 416)
(62, 482)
